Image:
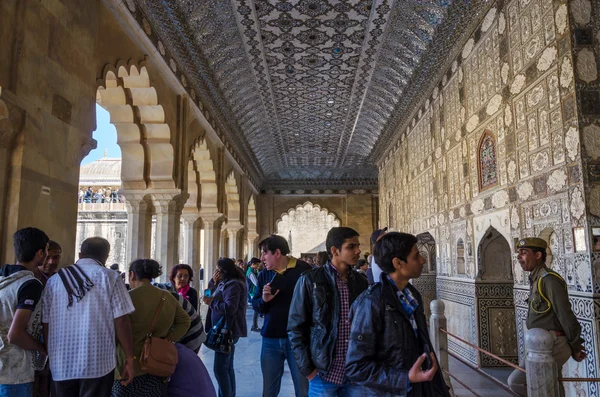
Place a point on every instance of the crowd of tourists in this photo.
(100, 195)
(346, 326)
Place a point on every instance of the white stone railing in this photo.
(542, 376)
(439, 340)
(94, 207)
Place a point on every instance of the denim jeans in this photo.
(20, 390)
(224, 372)
(318, 387)
(274, 352)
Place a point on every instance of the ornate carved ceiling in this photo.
(312, 92)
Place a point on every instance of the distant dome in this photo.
(103, 172)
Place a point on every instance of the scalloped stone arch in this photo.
(201, 179)
(307, 224)
(142, 133)
(252, 219)
(206, 176)
(233, 199)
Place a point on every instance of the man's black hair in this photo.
(96, 248)
(393, 245)
(543, 251)
(27, 242)
(274, 243)
(54, 246)
(336, 237)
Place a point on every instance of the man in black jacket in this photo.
(318, 325)
(275, 290)
(389, 340)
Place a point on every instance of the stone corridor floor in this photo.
(249, 376)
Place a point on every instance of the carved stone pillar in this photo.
(192, 225)
(212, 231)
(139, 226)
(232, 241)
(12, 120)
(167, 206)
(542, 371)
(439, 340)
(252, 248)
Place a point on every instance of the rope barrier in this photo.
(460, 382)
(504, 361)
(483, 351)
(483, 373)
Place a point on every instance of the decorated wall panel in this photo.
(525, 77)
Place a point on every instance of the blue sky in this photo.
(106, 135)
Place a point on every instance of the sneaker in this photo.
(255, 329)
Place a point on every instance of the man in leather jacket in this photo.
(318, 324)
(389, 337)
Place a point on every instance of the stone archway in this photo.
(234, 226)
(427, 284)
(147, 168)
(305, 227)
(495, 300)
(143, 135)
(232, 199)
(202, 201)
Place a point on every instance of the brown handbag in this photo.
(159, 356)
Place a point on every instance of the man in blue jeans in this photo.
(319, 324)
(275, 291)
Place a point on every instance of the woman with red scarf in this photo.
(181, 280)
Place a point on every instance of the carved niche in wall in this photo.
(488, 168)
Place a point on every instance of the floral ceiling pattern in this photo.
(312, 91)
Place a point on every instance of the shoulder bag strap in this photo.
(160, 305)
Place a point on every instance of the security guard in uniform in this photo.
(549, 309)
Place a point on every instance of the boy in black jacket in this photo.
(319, 324)
(389, 340)
(275, 291)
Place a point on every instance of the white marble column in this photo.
(232, 241)
(252, 248)
(139, 226)
(211, 223)
(192, 226)
(542, 372)
(167, 206)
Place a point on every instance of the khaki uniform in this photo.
(551, 312)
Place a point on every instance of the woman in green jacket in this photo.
(172, 323)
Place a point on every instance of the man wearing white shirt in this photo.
(83, 307)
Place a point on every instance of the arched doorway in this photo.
(147, 198)
(101, 208)
(426, 284)
(495, 300)
(305, 227)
